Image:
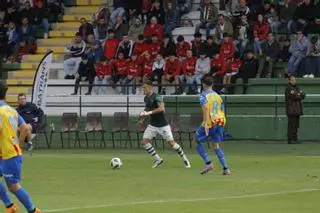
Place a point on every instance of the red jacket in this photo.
(227, 50)
(235, 65)
(155, 49)
(103, 70)
(110, 48)
(189, 66)
(261, 30)
(155, 29)
(172, 68)
(146, 5)
(218, 66)
(147, 67)
(121, 67)
(182, 49)
(139, 48)
(134, 68)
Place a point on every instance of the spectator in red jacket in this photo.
(218, 65)
(171, 73)
(182, 47)
(121, 71)
(231, 70)
(139, 46)
(133, 76)
(103, 75)
(260, 34)
(154, 29)
(227, 47)
(155, 46)
(188, 78)
(110, 46)
(147, 64)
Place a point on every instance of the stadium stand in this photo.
(106, 17)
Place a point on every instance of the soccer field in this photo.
(266, 178)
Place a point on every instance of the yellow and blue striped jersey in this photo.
(216, 107)
(10, 121)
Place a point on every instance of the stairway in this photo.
(61, 34)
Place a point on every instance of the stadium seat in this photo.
(194, 121)
(194, 16)
(94, 125)
(141, 128)
(121, 124)
(41, 129)
(69, 124)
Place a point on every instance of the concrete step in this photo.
(90, 2)
(53, 42)
(22, 74)
(88, 10)
(55, 49)
(20, 81)
(76, 17)
(62, 34)
(37, 58)
(17, 90)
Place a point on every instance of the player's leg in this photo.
(149, 134)
(167, 135)
(200, 138)
(5, 197)
(12, 175)
(217, 138)
(29, 137)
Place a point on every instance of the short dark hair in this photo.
(77, 34)
(207, 80)
(3, 90)
(180, 38)
(140, 37)
(21, 94)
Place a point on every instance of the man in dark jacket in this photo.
(293, 108)
(31, 114)
(86, 72)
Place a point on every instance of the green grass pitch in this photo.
(266, 178)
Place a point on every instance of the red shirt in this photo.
(219, 66)
(139, 48)
(147, 67)
(155, 49)
(121, 67)
(154, 29)
(182, 49)
(134, 68)
(110, 48)
(146, 5)
(227, 49)
(172, 68)
(235, 65)
(189, 66)
(103, 70)
(261, 30)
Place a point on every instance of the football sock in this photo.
(179, 150)
(24, 198)
(221, 158)
(203, 153)
(152, 151)
(4, 196)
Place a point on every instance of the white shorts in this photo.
(165, 132)
(231, 73)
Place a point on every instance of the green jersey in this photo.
(152, 102)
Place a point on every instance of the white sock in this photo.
(179, 150)
(149, 148)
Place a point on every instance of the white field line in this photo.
(135, 203)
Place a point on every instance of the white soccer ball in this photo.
(116, 163)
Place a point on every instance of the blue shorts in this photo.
(215, 135)
(10, 169)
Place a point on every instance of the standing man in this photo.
(294, 109)
(11, 156)
(154, 107)
(31, 114)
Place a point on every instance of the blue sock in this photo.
(4, 196)
(203, 153)
(221, 158)
(24, 198)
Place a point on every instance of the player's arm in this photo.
(160, 108)
(205, 112)
(23, 129)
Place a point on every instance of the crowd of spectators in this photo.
(20, 21)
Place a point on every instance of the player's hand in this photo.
(145, 113)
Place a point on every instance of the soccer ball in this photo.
(116, 163)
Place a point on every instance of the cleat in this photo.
(226, 172)
(30, 146)
(37, 210)
(12, 209)
(187, 164)
(207, 169)
(157, 163)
